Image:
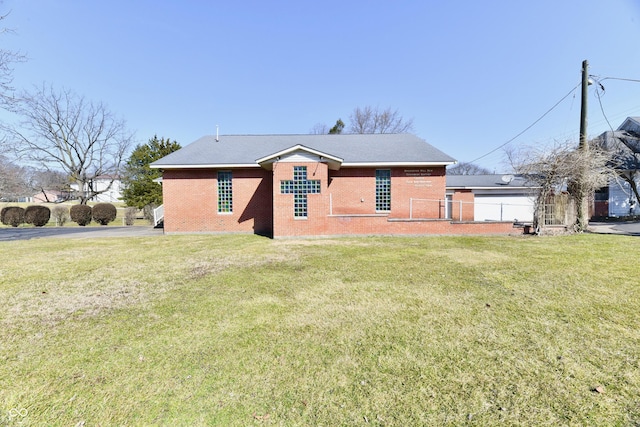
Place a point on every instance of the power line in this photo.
(605, 120)
(617, 78)
(600, 88)
(531, 125)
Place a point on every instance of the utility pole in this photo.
(583, 146)
(583, 105)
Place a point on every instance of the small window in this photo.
(383, 190)
(225, 193)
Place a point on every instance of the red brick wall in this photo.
(462, 199)
(190, 200)
(425, 185)
(284, 222)
(353, 191)
(376, 225)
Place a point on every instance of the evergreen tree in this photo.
(139, 188)
(337, 128)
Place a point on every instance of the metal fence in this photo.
(458, 210)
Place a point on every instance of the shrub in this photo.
(130, 215)
(60, 214)
(2, 211)
(13, 216)
(80, 214)
(37, 215)
(104, 213)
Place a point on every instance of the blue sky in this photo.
(471, 74)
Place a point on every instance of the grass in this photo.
(241, 330)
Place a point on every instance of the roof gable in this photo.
(268, 161)
(631, 124)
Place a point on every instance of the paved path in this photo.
(18, 233)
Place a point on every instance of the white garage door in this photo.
(503, 208)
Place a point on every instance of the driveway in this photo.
(18, 233)
(629, 228)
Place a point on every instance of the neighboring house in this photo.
(100, 184)
(618, 199)
(46, 196)
(49, 196)
(491, 197)
(310, 185)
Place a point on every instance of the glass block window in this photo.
(225, 193)
(300, 186)
(383, 190)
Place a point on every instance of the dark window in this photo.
(225, 193)
(383, 190)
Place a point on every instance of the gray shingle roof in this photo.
(353, 149)
(488, 181)
(623, 144)
(631, 124)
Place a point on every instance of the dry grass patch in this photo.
(77, 278)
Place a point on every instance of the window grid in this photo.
(300, 205)
(383, 190)
(225, 192)
(300, 186)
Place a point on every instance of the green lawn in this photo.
(243, 330)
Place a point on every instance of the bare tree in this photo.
(592, 171)
(563, 168)
(14, 180)
(323, 129)
(319, 129)
(7, 59)
(50, 182)
(63, 131)
(18, 181)
(372, 120)
(464, 168)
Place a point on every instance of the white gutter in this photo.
(254, 165)
(206, 166)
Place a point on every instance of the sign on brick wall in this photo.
(418, 177)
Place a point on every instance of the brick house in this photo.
(310, 185)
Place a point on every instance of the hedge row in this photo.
(38, 215)
(15, 215)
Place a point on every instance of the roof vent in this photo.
(217, 130)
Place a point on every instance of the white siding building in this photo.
(100, 184)
(625, 144)
(495, 197)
